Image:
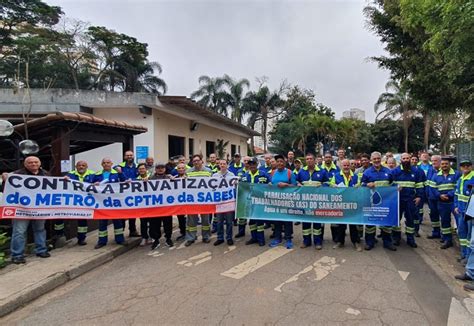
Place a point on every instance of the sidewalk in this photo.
(21, 284)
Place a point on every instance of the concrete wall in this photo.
(160, 125)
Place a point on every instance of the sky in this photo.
(320, 45)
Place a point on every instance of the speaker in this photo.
(194, 126)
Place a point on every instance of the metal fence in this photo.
(464, 151)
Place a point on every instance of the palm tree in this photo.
(301, 127)
(396, 103)
(211, 94)
(235, 98)
(142, 78)
(260, 105)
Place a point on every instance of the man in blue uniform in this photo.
(410, 182)
(236, 165)
(431, 197)
(331, 169)
(129, 169)
(254, 175)
(346, 178)
(445, 183)
(109, 175)
(461, 198)
(83, 174)
(311, 175)
(377, 176)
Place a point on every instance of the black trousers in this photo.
(341, 233)
(132, 226)
(155, 227)
(145, 225)
(182, 224)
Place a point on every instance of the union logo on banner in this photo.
(9, 212)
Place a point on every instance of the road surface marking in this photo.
(458, 314)
(404, 275)
(254, 263)
(230, 248)
(198, 259)
(322, 267)
(351, 311)
(155, 253)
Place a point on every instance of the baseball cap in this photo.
(253, 160)
(298, 160)
(465, 162)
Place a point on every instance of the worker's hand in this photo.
(371, 185)
(456, 211)
(96, 183)
(118, 169)
(282, 184)
(417, 201)
(4, 176)
(444, 197)
(66, 177)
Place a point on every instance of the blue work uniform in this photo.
(257, 226)
(81, 223)
(103, 177)
(411, 186)
(331, 170)
(213, 167)
(445, 185)
(131, 173)
(235, 168)
(419, 208)
(430, 186)
(381, 178)
(316, 178)
(340, 179)
(461, 198)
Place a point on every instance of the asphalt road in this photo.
(250, 285)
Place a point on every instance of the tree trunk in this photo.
(427, 128)
(264, 128)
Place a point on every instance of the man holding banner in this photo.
(32, 166)
(198, 171)
(377, 176)
(283, 178)
(312, 175)
(254, 175)
(109, 175)
(83, 174)
(346, 178)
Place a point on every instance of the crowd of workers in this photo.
(420, 180)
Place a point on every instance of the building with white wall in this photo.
(176, 124)
(357, 114)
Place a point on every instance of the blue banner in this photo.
(360, 205)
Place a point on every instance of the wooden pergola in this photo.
(62, 134)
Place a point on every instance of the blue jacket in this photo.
(258, 177)
(463, 191)
(411, 182)
(430, 185)
(235, 169)
(265, 168)
(130, 172)
(317, 178)
(339, 178)
(445, 185)
(114, 177)
(86, 177)
(331, 171)
(381, 178)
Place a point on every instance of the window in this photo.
(191, 147)
(233, 149)
(175, 146)
(210, 148)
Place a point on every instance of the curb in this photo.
(35, 291)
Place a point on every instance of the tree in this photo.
(211, 94)
(397, 102)
(234, 99)
(122, 64)
(262, 105)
